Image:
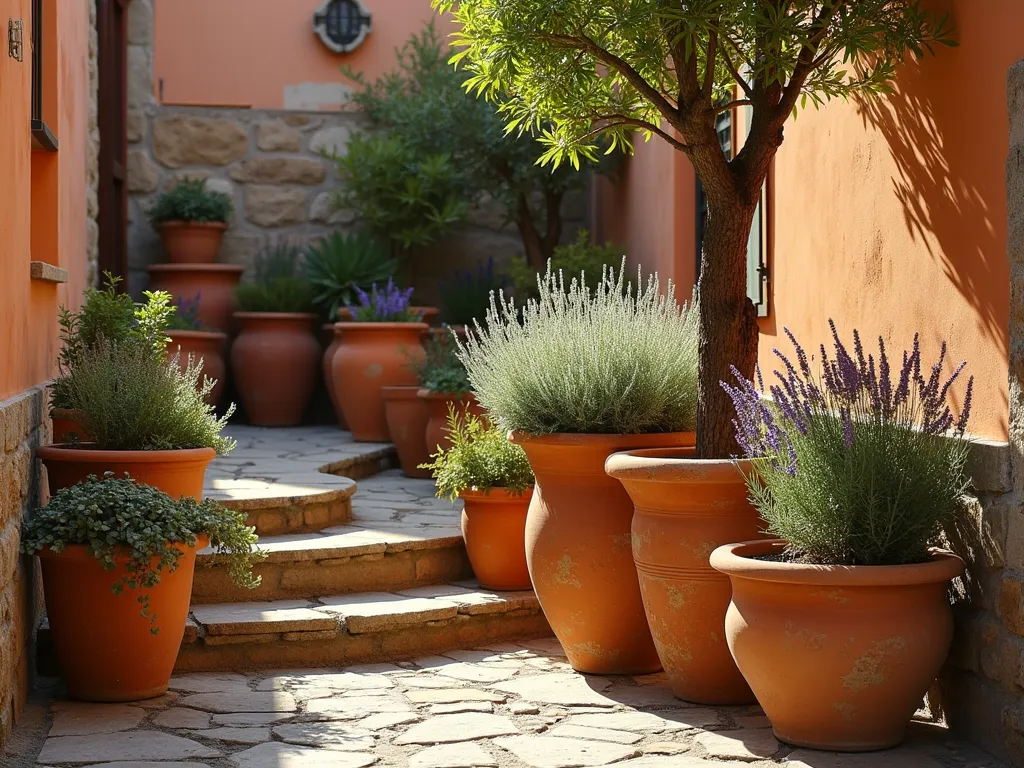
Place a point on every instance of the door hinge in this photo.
(16, 39)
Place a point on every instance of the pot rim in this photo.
(341, 327)
(596, 438)
(67, 452)
(401, 392)
(183, 223)
(426, 394)
(305, 316)
(199, 335)
(121, 551)
(64, 412)
(495, 494)
(736, 561)
(674, 464)
(213, 267)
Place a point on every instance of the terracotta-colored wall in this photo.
(249, 52)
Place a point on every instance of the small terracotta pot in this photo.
(192, 242)
(274, 362)
(333, 342)
(373, 356)
(104, 645)
(66, 425)
(437, 411)
(207, 346)
(406, 416)
(213, 283)
(838, 656)
(427, 314)
(683, 509)
(176, 473)
(579, 553)
(494, 529)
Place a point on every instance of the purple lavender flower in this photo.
(389, 305)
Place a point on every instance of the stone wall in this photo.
(24, 426)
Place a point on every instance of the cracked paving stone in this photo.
(665, 748)
(277, 755)
(679, 720)
(353, 707)
(251, 718)
(428, 681)
(231, 702)
(386, 720)
(468, 726)
(570, 731)
(478, 673)
(559, 688)
(894, 758)
(749, 745)
(466, 755)
(332, 735)
(675, 761)
(209, 683)
(182, 717)
(460, 706)
(450, 695)
(752, 721)
(343, 681)
(237, 735)
(555, 752)
(82, 719)
(134, 745)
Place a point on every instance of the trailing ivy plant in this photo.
(480, 458)
(115, 517)
(189, 200)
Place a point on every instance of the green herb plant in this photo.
(279, 283)
(571, 259)
(338, 264)
(441, 370)
(189, 200)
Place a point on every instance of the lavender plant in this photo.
(186, 316)
(857, 465)
(390, 305)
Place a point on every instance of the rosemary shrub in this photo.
(614, 359)
(852, 466)
(480, 458)
(117, 516)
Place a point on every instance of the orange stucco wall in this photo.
(263, 53)
(42, 199)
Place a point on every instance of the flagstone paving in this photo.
(513, 705)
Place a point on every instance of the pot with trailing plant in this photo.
(274, 359)
(841, 624)
(191, 220)
(493, 478)
(117, 560)
(190, 339)
(443, 384)
(380, 348)
(143, 414)
(578, 374)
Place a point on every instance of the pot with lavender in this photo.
(190, 339)
(841, 623)
(379, 348)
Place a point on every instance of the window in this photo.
(42, 137)
(342, 24)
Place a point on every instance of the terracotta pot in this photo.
(437, 411)
(213, 283)
(207, 346)
(176, 473)
(683, 509)
(428, 315)
(373, 356)
(406, 416)
(104, 645)
(327, 364)
(66, 426)
(192, 242)
(274, 362)
(838, 656)
(494, 529)
(578, 550)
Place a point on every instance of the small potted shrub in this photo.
(576, 375)
(274, 359)
(841, 624)
(493, 478)
(443, 383)
(189, 338)
(191, 220)
(379, 348)
(117, 560)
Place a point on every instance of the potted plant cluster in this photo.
(117, 561)
(379, 348)
(274, 358)
(841, 623)
(190, 339)
(577, 374)
(493, 478)
(444, 384)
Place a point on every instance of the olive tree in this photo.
(574, 71)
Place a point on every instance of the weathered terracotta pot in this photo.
(207, 346)
(192, 242)
(428, 315)
(406, 416)
(373, 356)
(176, 473)
(333, 341)
(683, 509)
(213, 283)
(103, 644)
(66, 425)
(838, 656)
(437, 412)
(578, 550)
(494, 529)
(274, 362)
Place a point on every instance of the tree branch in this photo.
(709, 66)
(615, 121)
(737, 103)
(736, 74)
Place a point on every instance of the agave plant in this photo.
(340, 263)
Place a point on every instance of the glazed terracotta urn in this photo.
(683, 509)
(494, 530)
(207, 346)
(214, 284)
(437, 412)
(331, 341)
(579, 553)
(406, 415)
(839, 657)
(373, 356)
(274, 362)
(192, 242)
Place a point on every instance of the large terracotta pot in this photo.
(176, 473)
(104, 645)
(192, 242)
(578, 550)
(373, 356)
(683, 509)
(406, 416)
(207, 346)
(274, 362)
(494, 529)
(437, 412)
(428, 315)
(838, 656)
(214, 284)
(66, 425)
(333, 341)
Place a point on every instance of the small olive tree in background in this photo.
(577, 70)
